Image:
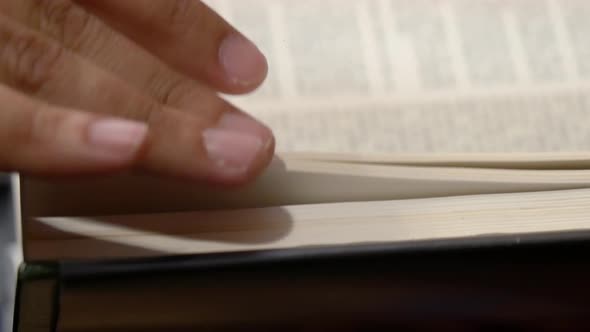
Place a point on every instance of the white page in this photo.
(421, 75)
(509, 216)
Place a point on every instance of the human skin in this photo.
(101, 86)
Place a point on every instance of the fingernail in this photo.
(242, 123)
(232, 152)
(243, 63)
(117, 137)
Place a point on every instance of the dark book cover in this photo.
(486, 285)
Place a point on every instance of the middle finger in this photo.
(82, 33)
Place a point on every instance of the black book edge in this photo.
(553, 247)
(489, 271)
(36, 306)
(551, 244)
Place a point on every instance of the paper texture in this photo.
(295, 226)
(421, 75)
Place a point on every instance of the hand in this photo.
(94, 86)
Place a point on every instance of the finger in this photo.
(84, 34)
(232, 151)
(189, 36)
(221, 145)
(41, 139)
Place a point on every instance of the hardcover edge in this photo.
(81, 270)
(29, 275)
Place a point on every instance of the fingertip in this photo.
(244, 66)
(116, 139)
(239, 121)
(105, 145)
(238, 148)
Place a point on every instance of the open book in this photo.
(421, 76)
(399, 123)
(395, 121)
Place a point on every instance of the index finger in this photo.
(190, 37)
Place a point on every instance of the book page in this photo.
(514, 216)
(421, 76)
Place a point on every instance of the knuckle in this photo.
(44, 125)
(30, 61)
(19, 134)
(25, 130)
(169, 90)
(64, 20)
(39, 125)
(148, 112)
(179, 92)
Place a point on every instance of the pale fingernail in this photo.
(232, 152)
(243, 63)
(117, 138)
(242, 123)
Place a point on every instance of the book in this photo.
(301, 202)
(438, 128)
(471, 287)
(358, 244)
